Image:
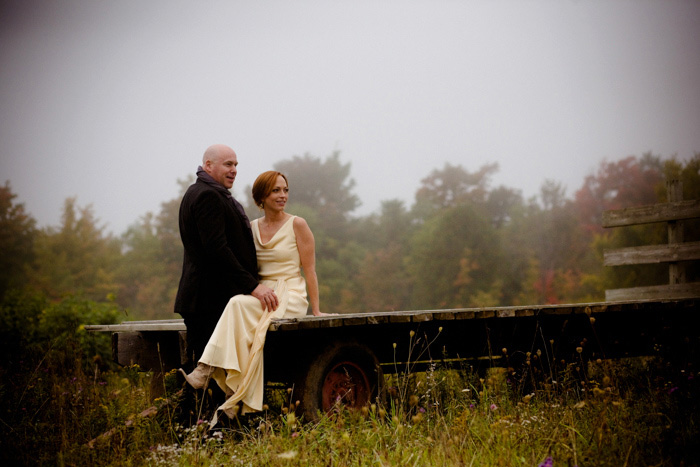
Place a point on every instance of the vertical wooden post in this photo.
(676, 270)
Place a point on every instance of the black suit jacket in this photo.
(219, 259)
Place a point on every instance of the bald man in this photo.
(219, 259)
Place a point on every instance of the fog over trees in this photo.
(462, 243)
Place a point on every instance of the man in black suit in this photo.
(219, 257)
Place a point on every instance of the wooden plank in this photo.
(444, 316)
(422, 317)
(309, 324)
(597, 309)
(155, 321)
(465, 314)
(377, 319)
(400, 318)
(162, 352)
(505, 313)
(652, 254)
(335, 321)
(652, 213)
(675, 229)
(482, 314)
(129, 326)
(355, 321)
(291, 325)
(564, 309)
(656, 292)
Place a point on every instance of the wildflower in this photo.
(673, 389)
(412, 333)
(579, 349)
(394, 344)
(504, 350)
(440, 329)
(493, 407)
(547, 463)
(592, 320)
(295, 434)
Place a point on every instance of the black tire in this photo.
(345, 373)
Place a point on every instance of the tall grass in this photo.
(64, 404)
(457, 418)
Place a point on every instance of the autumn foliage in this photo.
(462, 243)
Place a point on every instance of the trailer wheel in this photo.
(345, 374)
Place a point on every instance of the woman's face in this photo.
(277, 199)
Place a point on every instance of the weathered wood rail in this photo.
(676, 253)
(346, 356)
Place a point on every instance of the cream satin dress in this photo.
(236, 346)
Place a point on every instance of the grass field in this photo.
(632, 412)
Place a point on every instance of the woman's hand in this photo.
(318, 313)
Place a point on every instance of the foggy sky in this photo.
(113, 101)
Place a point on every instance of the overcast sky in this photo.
(113, 101)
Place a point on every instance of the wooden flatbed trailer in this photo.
(346, 356)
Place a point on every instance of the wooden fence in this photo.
(676, 253)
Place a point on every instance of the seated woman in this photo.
(284, 244)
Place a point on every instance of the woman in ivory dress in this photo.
(284, 245)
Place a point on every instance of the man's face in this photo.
(222, 167)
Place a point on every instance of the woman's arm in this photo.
(307, 254)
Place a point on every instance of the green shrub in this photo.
(51, 374)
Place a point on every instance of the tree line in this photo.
(462, 243)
